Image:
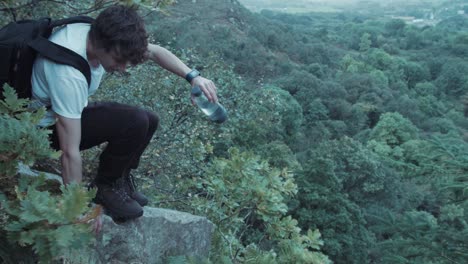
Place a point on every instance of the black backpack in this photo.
(21, 41)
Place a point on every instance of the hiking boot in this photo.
(131, 188)
(117, 203)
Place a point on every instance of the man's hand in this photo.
(207, 87)
(97, 223)
(93, 218)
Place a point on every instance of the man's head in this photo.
(118, 38)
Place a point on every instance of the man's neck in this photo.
(92, 59)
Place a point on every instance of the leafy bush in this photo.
(52, 225)
(245, 198)
(30, 215)
(21, 140)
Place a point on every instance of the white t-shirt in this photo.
(64, 87)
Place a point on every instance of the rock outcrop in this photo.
(152, 238)
(157, 235)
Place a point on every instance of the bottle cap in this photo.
(196, 91)
(220, 118)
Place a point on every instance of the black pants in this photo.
(127, 129)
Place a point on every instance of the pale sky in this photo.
(326, 5)
(332, 2)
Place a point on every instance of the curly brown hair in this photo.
(121, 30)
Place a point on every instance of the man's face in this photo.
(110, 61)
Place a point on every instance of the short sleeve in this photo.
(68, 94)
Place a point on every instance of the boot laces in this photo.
(131, 183)
(118, 187)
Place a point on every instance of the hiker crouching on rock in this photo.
(116, 39)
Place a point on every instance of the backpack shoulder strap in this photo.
(71, 20)
(62, 55)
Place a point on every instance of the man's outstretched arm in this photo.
(69, 134)
(170, 62)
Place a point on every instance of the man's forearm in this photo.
(170, 62)
(71, 167)
(167, 60)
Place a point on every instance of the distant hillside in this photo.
(267, 45)
(364, 6)
(300, 6)
(207, 26)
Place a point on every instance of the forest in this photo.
(347, 138)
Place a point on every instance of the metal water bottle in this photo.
(215, 111)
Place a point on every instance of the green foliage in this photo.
(21, 139)
(436, 232)
(315, 111)
(14, 10)
(245, 198)
(459, 47)
(297, 81)
(386, 63)
(400, 69)
(426, 88)
(452, 79)
(279, 156)
(393, 130)
(180, 154)
(365, 43)
(395, 27)
(31, 216)
(279, 114)
(186, 260)
(417, 237)
(185, 138)
(379, 79)
(49, 224)
(395, 140)
(439, 125)
(340, 179)
(350, 64)
(414, 73)
(346, 166)
(306, 79)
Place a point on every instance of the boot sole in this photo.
(117, 214)
(118, 219)
(142, 204)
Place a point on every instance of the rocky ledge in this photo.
(152, 238)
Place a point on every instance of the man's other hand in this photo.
(207, 87)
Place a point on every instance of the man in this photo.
(116, 39)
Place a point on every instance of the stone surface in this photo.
(152, 238)
(26, 170)
(157, 235)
